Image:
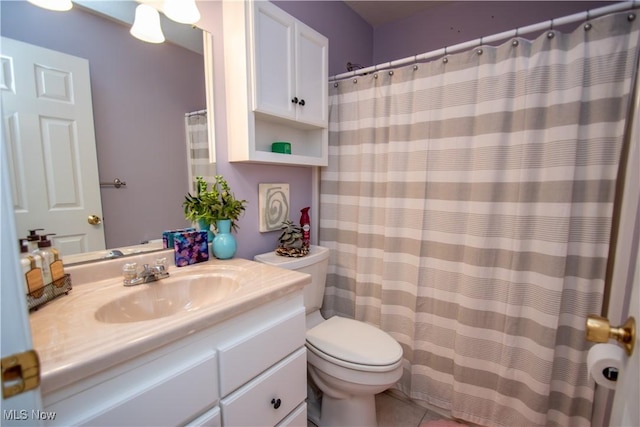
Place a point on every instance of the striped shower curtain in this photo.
(468, 205)
(198, 148)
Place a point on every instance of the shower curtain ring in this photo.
(551, 34)
(587, 25)
(479, 50)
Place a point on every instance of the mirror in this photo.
(141, 93)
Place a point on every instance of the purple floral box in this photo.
(167, 236)
(190, 247)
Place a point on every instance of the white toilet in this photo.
(349, 361)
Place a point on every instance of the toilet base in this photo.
(357, 411)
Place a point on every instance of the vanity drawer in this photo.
(247, 357)
(163, 391)
(284, 385)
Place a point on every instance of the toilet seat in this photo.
(355, 345)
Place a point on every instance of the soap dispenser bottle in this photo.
(32, 270)
(52, 268)
(33, 238)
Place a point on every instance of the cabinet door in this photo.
(312, 72)
(273, 60)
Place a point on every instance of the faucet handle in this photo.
(161, 264)
(130, 272)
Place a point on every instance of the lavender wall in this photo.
(140, 93)
(461, 21)
(349, 37)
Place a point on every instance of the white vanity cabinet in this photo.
(276, 71)
(247, 370)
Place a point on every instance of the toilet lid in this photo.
(354, 341)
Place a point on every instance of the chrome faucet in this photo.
(114, 253)
(132, 277)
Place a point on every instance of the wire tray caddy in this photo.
(49, 292)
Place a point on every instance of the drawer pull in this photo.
(276, 403)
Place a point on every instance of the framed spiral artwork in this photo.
(273, 200)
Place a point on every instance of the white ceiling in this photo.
(379, 12)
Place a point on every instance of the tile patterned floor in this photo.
(393, 411)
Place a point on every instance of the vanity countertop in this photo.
(72, 344)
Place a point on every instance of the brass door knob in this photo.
(94, 219)
(599, 329)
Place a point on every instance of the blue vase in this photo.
(224, 244)
(204, 225)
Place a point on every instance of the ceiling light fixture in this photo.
(182, 11)
(57, 5)
(146, 25)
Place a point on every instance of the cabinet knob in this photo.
(301, 103)
(276, 403)
(295, 100)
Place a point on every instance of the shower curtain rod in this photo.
(196, 113)
(547, 25)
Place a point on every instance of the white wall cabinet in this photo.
(276, 72)
(248, 370)
(289, 63)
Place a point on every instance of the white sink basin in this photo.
(166, 297)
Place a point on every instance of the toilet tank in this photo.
(314, 263)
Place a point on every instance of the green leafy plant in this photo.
(213, 205)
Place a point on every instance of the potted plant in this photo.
(212, 205)
(290, 242)
(218, 207)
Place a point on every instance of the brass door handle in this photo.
(599, 329)
(94, 219)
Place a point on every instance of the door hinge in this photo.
(20, 373)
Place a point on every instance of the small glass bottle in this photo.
(52, 268)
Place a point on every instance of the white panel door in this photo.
(626, 411)
(273, 61)
(15, 333)
(50, 142)
(625, 293)
(312, 69)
